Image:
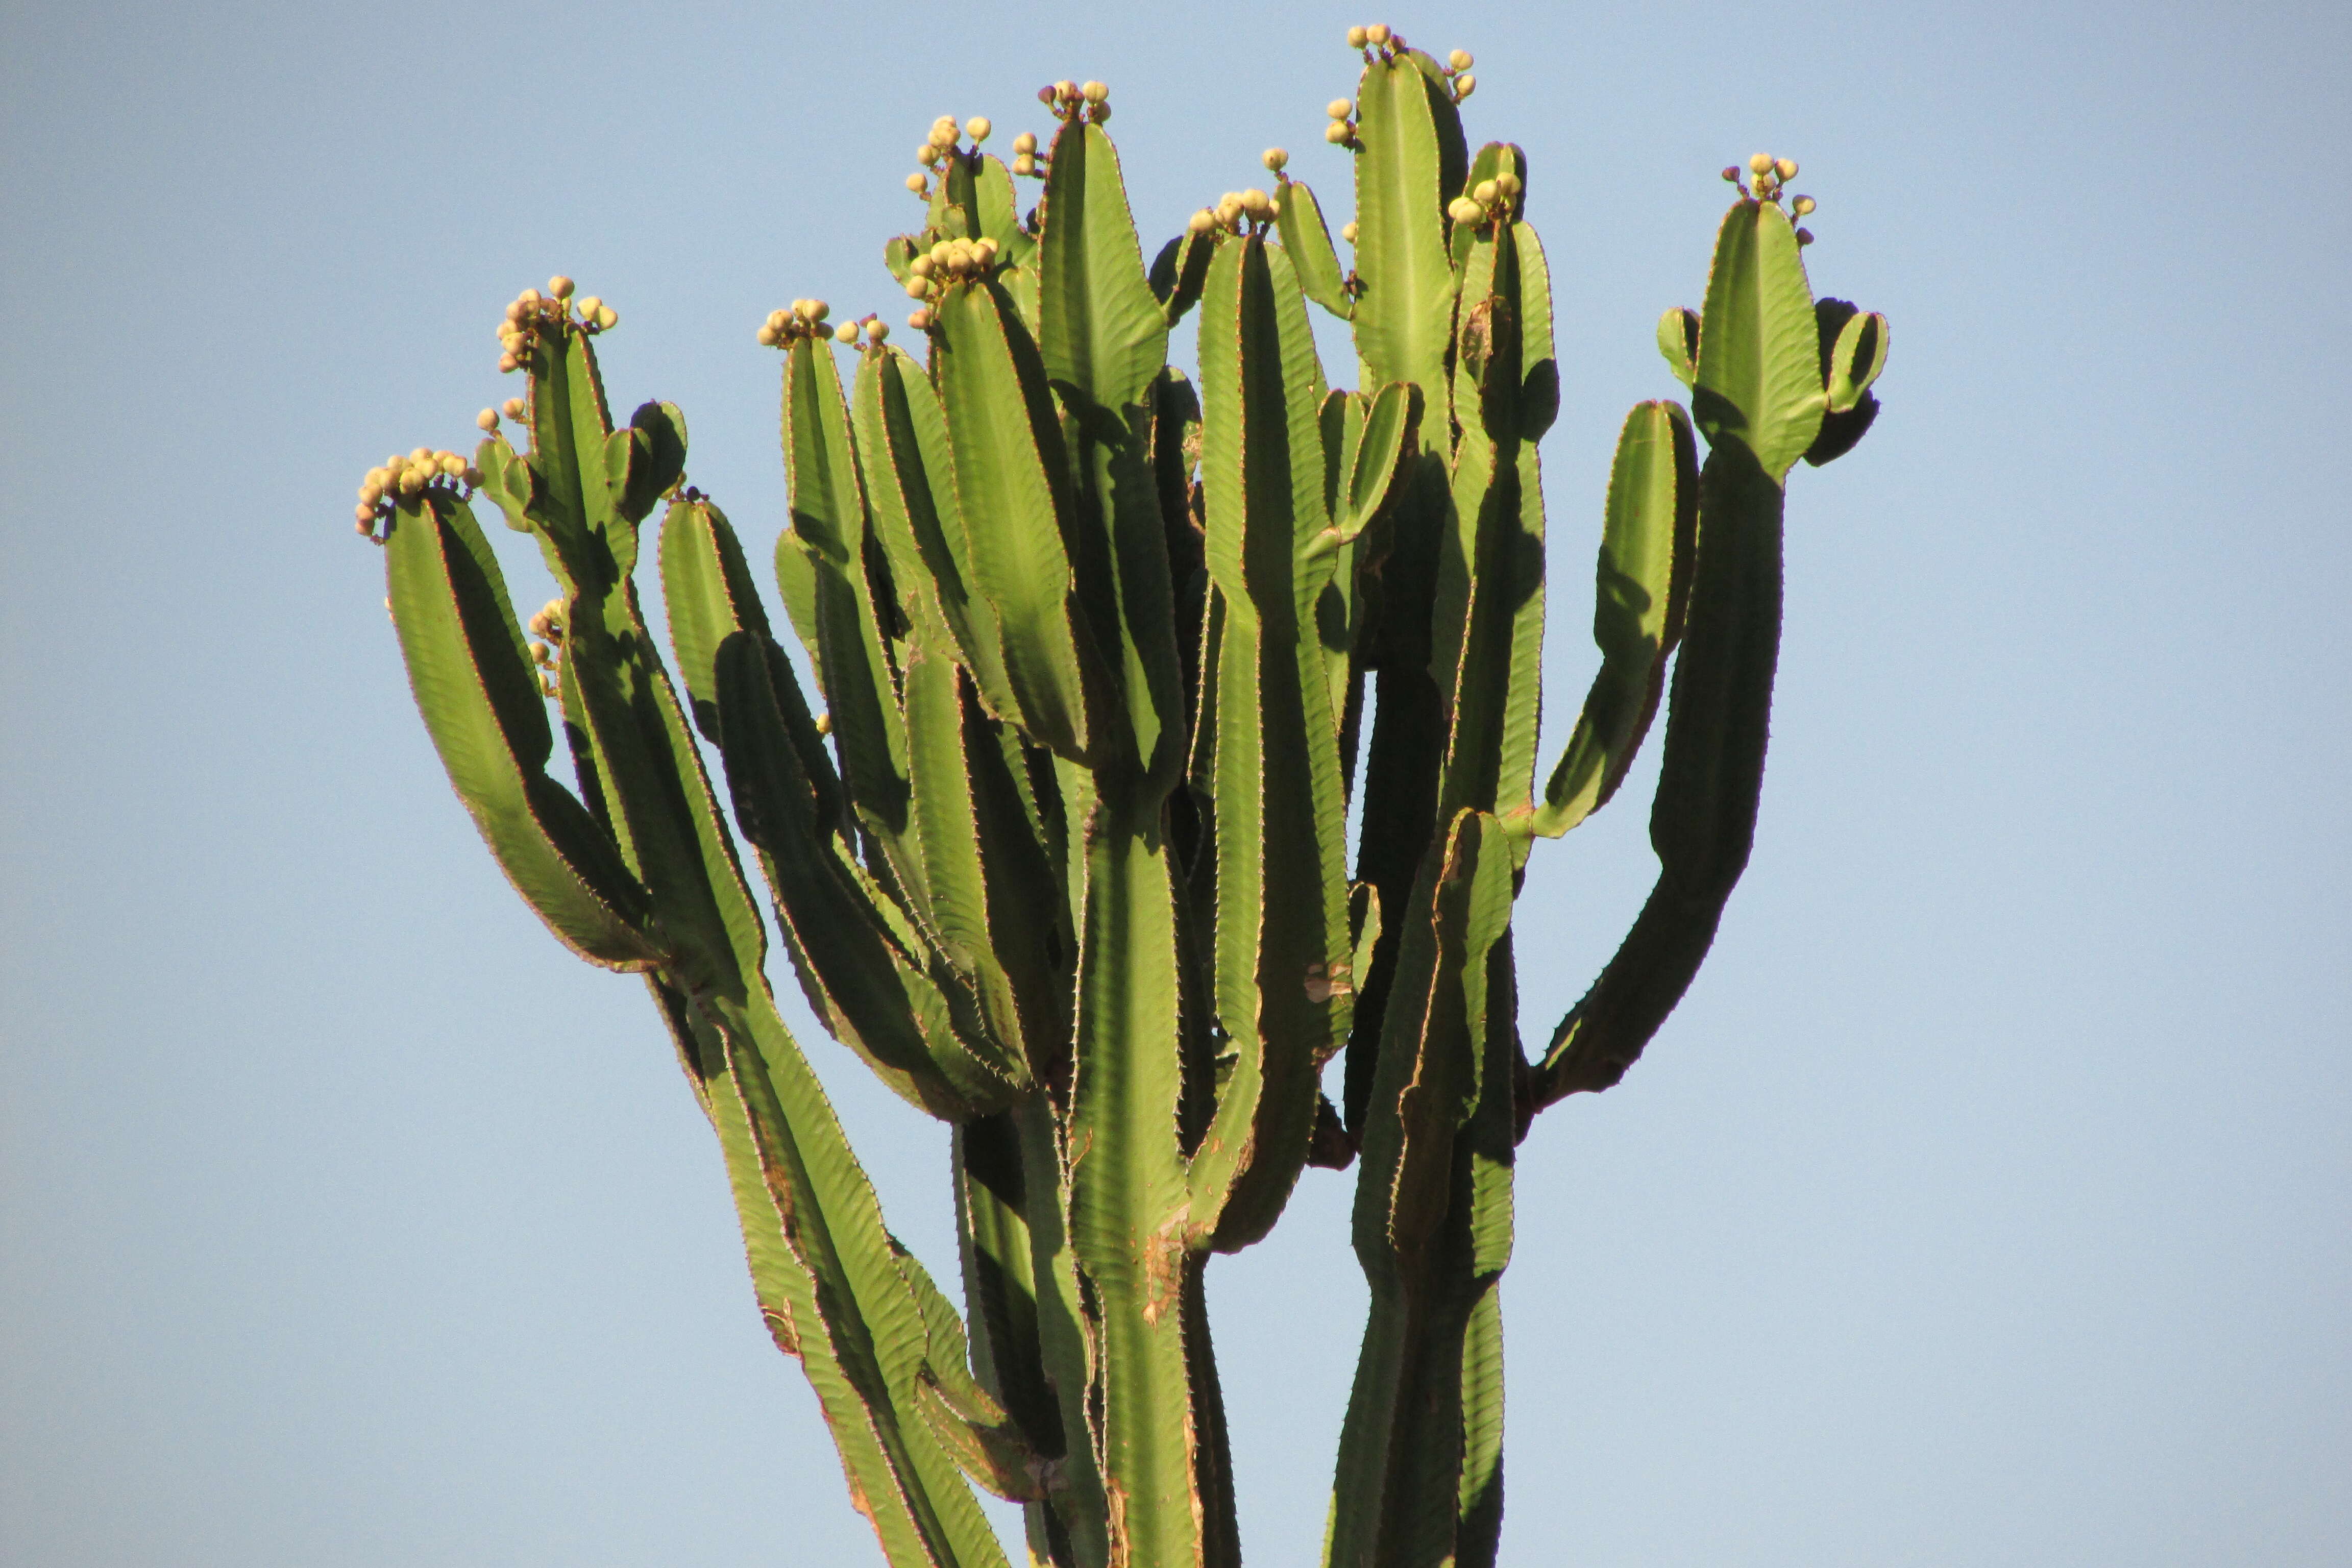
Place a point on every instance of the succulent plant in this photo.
(1103, 659)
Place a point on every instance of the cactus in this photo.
(1061, 851)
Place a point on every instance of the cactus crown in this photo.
(1105, 657)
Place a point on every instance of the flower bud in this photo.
(514, 311)
(1066, 91)
(486, 420)
(926, 155)
(1459, 60)
(941, 252)
(845, 332)
(1347, 231)
(1730, 175)
(607, 318)
(767, 335)
(984, 249)
(817, 311)
(560, 287)
(1785, 167)
(920, 320)
(1095, 92)
(1339, 109)
(1509, 184)
(541, 653)
(1357, 37)
(378, 477)
(410, 481)
(1802, 206)
(528, 297)
(1229, 207)
(422, 454)
(515, 408)
(1377, 33)
(589, 306)
(1465, 85)
(1273, 158)
(1024, 163)
(1804, 237)
(1485, 192)
(916, 183)
(369, 493)
(1760, 164)
(507, 364)
(876, 329)
(1337, 131)
(921, 265)
(471, 477)
(1025, 142)
(978, 128)
(1202, 221)
(915, 287)
(1462, 209)
(452, 464)
(1258, 203)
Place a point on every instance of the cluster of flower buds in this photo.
(1024, 155)
(948, 261)
(1072, 100)
(1238, 211)
(1772, 176)
(805, 319)
(1341, 131)
(405, 477)
(944, 145)
(533, 313)
(546, 628)
(1487, 200)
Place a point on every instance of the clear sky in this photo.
(1986, 1203)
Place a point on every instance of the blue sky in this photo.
(1986, 1203)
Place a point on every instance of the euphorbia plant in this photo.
(1104, 655)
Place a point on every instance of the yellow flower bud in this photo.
(379, 477)
(1459, 60)
(1339, 109)
(818, 311)
(410, 481)
(560, 286)
(1025, 142)
(541, 653)
(926, 155)
(1095, 92)
(1347, 231)
(588, 306)
(364, 515)
(422, 454)
(921, 265)
(516, 408)
(1024, 163)
(1202, 221)
(1465, 85)
(941, 252)
(1509, 184)
(1802, 206)
(1066, 91)
(369, 493)
(917, 288)
(507, 364)
(528, 297)
(985, 248)
(920, 320)
(1258, 203)
(514, 311)
(452, 464)
(978, 128)
(1273, 158)
(1485, 192)
(1357, 37)
(1760, 164)
(767, 335)
(1785, 167)
(920, 185)
(1229, 207)
(1336, 132)
(1377, 33)
(487, 419)
(1462, 209)
(607, 318)
(877, 330)
(846, 332)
